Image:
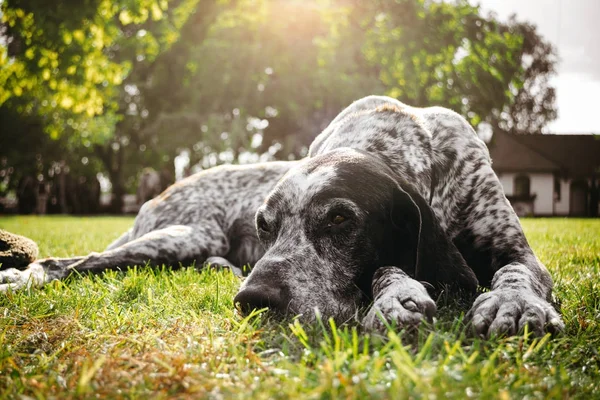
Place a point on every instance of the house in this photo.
(548, 175)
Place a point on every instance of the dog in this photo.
(390, 200)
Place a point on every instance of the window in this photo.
(522, 184)
(557, 188)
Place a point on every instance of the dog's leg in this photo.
(222, 263)
(494, 245)
(169, 245)
(121, 240)
(397, 298)
(518, 297)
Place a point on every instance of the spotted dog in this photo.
(391, 199)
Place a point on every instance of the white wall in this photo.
(507, 180)
(542, 185)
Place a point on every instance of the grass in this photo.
(161, 333)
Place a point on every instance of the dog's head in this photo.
(329, 224)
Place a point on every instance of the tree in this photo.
(305, 61)
(68, 67)
(532, 103)
(449, 54)
(270, 74)
(133, 83)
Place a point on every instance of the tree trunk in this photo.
(594, 197)
(117, 180)
(62, 190)
(113, 162)
(118, 191)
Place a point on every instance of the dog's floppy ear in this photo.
(435, 259)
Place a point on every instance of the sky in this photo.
(573, 26)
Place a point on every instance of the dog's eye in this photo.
(337, 219)
(262, 224)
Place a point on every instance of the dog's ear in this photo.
(425, 247)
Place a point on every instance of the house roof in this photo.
(573, 155)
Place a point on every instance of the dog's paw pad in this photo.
(399, 312)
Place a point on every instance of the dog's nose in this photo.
(257, 297)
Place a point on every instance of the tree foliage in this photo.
(132, 83)
(68, 68)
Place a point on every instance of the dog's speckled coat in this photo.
(389, 196)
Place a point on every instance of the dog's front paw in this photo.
(220, 263)
(405, 310)
(508, 311)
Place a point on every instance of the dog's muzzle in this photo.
(263, 290)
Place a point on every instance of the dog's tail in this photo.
(124, 238)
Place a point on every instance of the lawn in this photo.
(161, 333)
